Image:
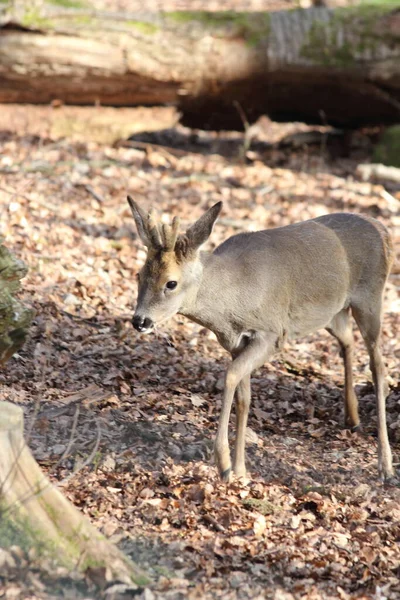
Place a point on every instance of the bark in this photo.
(35, 514)
(15, 318)
(317, 65)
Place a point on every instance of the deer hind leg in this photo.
(369, 320)
(340, 328)
(254, 355)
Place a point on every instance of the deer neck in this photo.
(195, 307)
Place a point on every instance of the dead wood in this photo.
(15, 318)
(377, 171)
(35, 514)
(220, 69)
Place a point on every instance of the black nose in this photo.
(141, 323)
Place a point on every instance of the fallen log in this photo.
(318, 65)
(35, 514)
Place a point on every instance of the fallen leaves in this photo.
(142, 411)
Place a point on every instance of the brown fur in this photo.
(257, 289)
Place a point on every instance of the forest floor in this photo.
(124, 423)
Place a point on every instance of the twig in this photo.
(385, 96)
(171, 181)
(393, 204)
(342, 548)
(88, 459)
(87, 320)
(11, 471)
(16, 193)
(167, 149)
(324, 138)
(92, 192)
(104, 351)
(71, 438)
(247, 130)
(23, 499)
(214, 523)
(14, 466)
(266, 189)
(35, 414)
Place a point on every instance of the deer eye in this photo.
(171, 285)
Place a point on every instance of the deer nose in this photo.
(142, 323)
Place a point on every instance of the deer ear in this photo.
(200, 231)
(140, 219)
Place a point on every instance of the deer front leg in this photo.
(221, 446)
(243, 397)
(254, 355)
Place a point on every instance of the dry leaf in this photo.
(196, 400)
(259, 525)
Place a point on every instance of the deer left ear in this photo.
(140, 219)
(200, 231)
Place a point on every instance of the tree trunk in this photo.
(14, 317)
(317, 65)
(34, 513)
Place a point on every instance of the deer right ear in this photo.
(200, 231)
(140, 219)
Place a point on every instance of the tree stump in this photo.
(34, 513)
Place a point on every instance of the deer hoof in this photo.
(226, 475)
(389, 476)
(240, 473)
(356, 428)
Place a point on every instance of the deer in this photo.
(258, 289)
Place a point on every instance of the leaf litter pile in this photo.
(124, 423)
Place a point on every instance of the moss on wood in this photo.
(350, 34)
(388, 149)
(35, 514)
(69, 3)
(143, 26)
(254, 27)
(14, 317)
(17, 530)
(34, 19)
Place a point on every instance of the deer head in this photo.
(172, 271)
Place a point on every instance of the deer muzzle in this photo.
(142, 324)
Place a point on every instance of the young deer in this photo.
(258, 289)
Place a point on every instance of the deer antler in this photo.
(169, 234)
(162, 237)
(152, 234)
